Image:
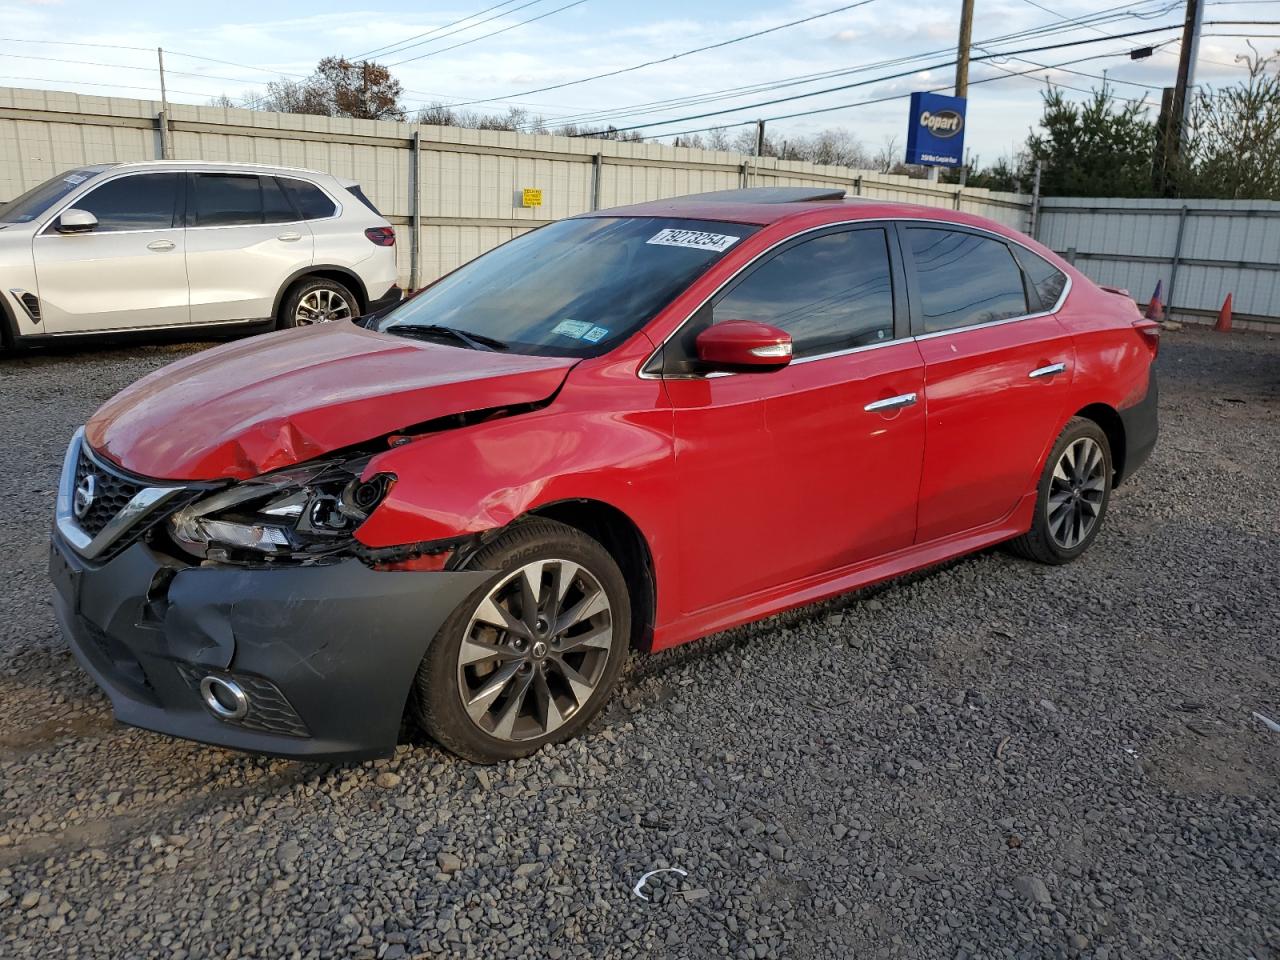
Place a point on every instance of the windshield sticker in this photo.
(74, 178)
(572, 328)
(596, 334)
(695, 239)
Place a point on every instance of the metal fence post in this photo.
(1177, 256)
(597, 175)
(415, 214)
(1035, 205)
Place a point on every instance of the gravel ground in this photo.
(993, 759)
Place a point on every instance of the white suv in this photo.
(170, 244)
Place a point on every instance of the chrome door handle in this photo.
(289, 237)
(891, 403)
(1049, 371)
(161, 245)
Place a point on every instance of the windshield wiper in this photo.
(476, 341)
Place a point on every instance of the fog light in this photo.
(225, 698)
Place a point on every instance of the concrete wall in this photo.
(469, 179)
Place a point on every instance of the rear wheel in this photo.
(532, 656)
(318, 301)
(1072, 497)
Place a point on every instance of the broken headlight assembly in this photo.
(298, 514)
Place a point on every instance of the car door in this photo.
(128, 272)
(802, 471)
(245, 238)
(998, 370)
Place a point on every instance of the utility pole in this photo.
(1179, 107)
(962, 48)
(759, 138)
(166, 153)
(962, 61)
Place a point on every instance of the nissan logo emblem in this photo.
(86, 490)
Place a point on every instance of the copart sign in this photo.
(935, 130)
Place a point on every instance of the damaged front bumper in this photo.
(323, 655)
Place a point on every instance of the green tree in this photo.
(1100, 148)
(1231, 147)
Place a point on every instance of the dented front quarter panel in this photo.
(606, 437)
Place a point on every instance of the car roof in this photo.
(770, 205)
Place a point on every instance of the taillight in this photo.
(382, 236)
(1150, 332)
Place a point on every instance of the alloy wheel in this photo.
(321, 306)
(535, 650)
(1076, 493)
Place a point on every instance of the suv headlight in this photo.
(302, 512)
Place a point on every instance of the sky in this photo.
(92, 47)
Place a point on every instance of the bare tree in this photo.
(888, 155)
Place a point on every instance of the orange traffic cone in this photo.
(1155, 309)
(1224, 317)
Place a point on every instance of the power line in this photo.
(406, 43)
(892, 76)
(729, 93)
(877, 100)
(485, 36)
(674, 56)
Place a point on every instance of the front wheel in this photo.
(533, 655)
(1072, 497)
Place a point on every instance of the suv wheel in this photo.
(1072, 497)
(532, 656)
(318, 301)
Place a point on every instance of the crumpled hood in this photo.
(260, 404)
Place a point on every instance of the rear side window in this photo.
(1046, 280)
(276, 207)
(141, 202)
(833, 292)
(964, 279)
(356, 192)
(226, 199)
(312, 202)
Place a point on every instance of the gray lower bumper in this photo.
(327, 653)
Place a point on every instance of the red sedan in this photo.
(623, 430)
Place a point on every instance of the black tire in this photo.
(1042, 542)
(442, 677)
(320, 287)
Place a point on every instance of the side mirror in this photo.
(744, 346)
(76, 221)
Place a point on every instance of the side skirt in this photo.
(766, 603)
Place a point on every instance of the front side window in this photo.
(833, 292)
(964, 279)
(141, 202)
(574, 288)
(226, 200)
(28, 206)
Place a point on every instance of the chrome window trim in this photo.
(943, 224)
(143, 503)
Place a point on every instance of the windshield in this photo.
(574, 288)
(39, 199)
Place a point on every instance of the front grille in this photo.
(269, 710)
(111, 492)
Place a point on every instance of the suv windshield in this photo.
(39, 199)
(574, 288)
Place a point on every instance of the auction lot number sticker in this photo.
(695, 239)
